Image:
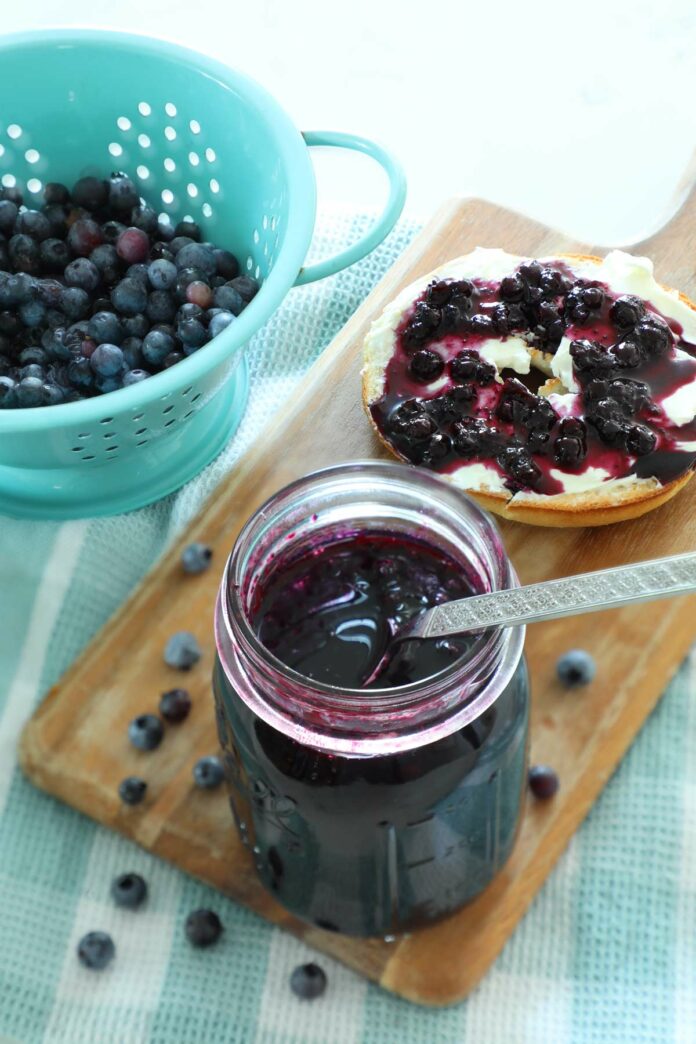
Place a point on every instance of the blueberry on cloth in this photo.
(308, 981)
(95, 950)
(203, 928)
(129, 890)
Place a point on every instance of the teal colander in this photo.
(202, 141)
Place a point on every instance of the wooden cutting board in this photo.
(75, 747)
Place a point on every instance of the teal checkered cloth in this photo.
(607, 953)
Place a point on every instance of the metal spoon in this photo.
(570, 596)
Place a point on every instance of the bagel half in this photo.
(613, 500)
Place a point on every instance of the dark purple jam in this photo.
(332, 613)
(443, 408)
(370, 844)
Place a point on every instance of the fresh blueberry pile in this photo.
(470, 416)
(98, 293)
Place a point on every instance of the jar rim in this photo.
(500, 647)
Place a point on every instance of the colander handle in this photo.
(384, 223)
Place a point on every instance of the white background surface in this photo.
(580, 114)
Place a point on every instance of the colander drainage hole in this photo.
(77, 449)
(138, 416)
(88, 456)
(113, 446)
(106, 420)
(109, 434)
(141, 431)
(170, 422)
(85, 435)
(142, 443)
(168, 409)
(196, 397)
(189, 414)
(186, 391)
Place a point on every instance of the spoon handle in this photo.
(570, 596)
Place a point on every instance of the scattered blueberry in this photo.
(175, 705)
(196, 557)
(95, 950)
(129, 890)
(162, 274)
(146, 732)
(543, 782)
(308, 981)
(576, 668)
(107, 360)
(208, 772)
(203, 928)
(182, 651)
(132, 790)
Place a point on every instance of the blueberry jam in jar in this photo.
(376, 793)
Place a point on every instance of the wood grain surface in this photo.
(75, 747)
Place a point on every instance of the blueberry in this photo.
(138, 272)
(191, 333)
(123, 195)
(184, 278)
(188, 228)
(135, 325)
(208, 772)
(199, 293)
(162, 274)
(165, 229)
(426, 366)
(31, 370)
(175, 705)
(543, 782)
(132, 790)
(195, 558)
(195, 255)
(172, 359)
(203, 928)
(182, 651)
(8, 216)
(575, 668)
(80, 373)
(129, 297)
(145, 218)
(129, 890)
(640, 440)
(54, 192)
(7, 392)
(53, 394)
(90, 193)
(134, 377)
(14, 193)
(85, 235)
(75, 302)
(190, 311)
(82, 273)
(626, 311)
(308, 981)
(146, 732)
(30, 392)
(133, 245)
(111, 230)
(177, 242)
(107, 360)
(220, 321)
(57, 216)
(33, 223)
(437, 448)
(156, 347)
(653, 334)
(32, 313)
(105, 327)
(161, 307)
(226, 264)
(107, 262)
(95, 950)
(54, 255)
(24, 253)
(228, 298)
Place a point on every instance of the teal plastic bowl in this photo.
(202, 141)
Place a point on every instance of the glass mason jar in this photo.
(370, 812)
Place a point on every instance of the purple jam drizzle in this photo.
(452, 420)
(330, 614)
